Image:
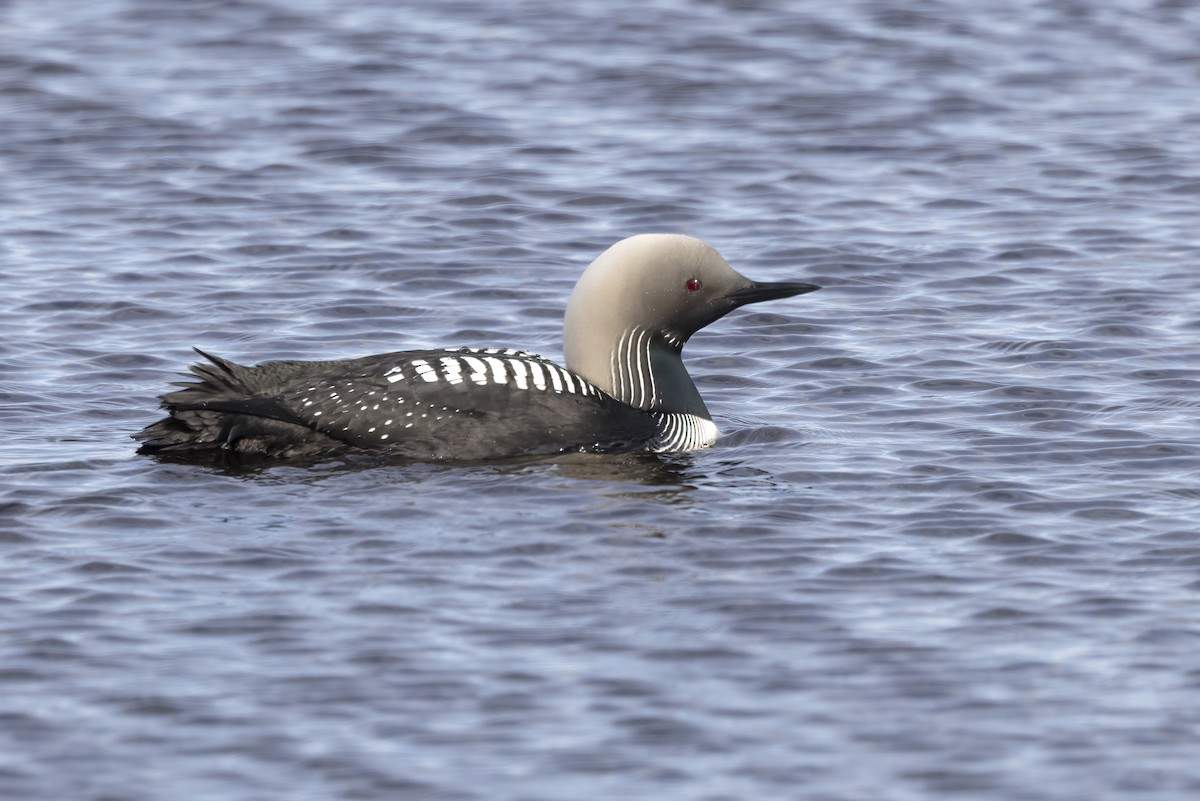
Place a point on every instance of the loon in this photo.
(624, 388)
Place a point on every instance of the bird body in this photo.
(624, 389)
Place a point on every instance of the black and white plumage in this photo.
(624, 388)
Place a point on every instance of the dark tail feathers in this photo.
(226, 409)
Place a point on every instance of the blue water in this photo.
(947, 548)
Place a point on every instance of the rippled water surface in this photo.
(947, 548)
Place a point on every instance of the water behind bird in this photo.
(946, 548)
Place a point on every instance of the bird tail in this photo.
(200, 412)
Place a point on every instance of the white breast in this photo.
(684, 432)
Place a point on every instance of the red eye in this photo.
(693, 284)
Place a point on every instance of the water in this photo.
(946, 550)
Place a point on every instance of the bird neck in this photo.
(640, 368)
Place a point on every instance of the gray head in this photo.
(635, 307)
